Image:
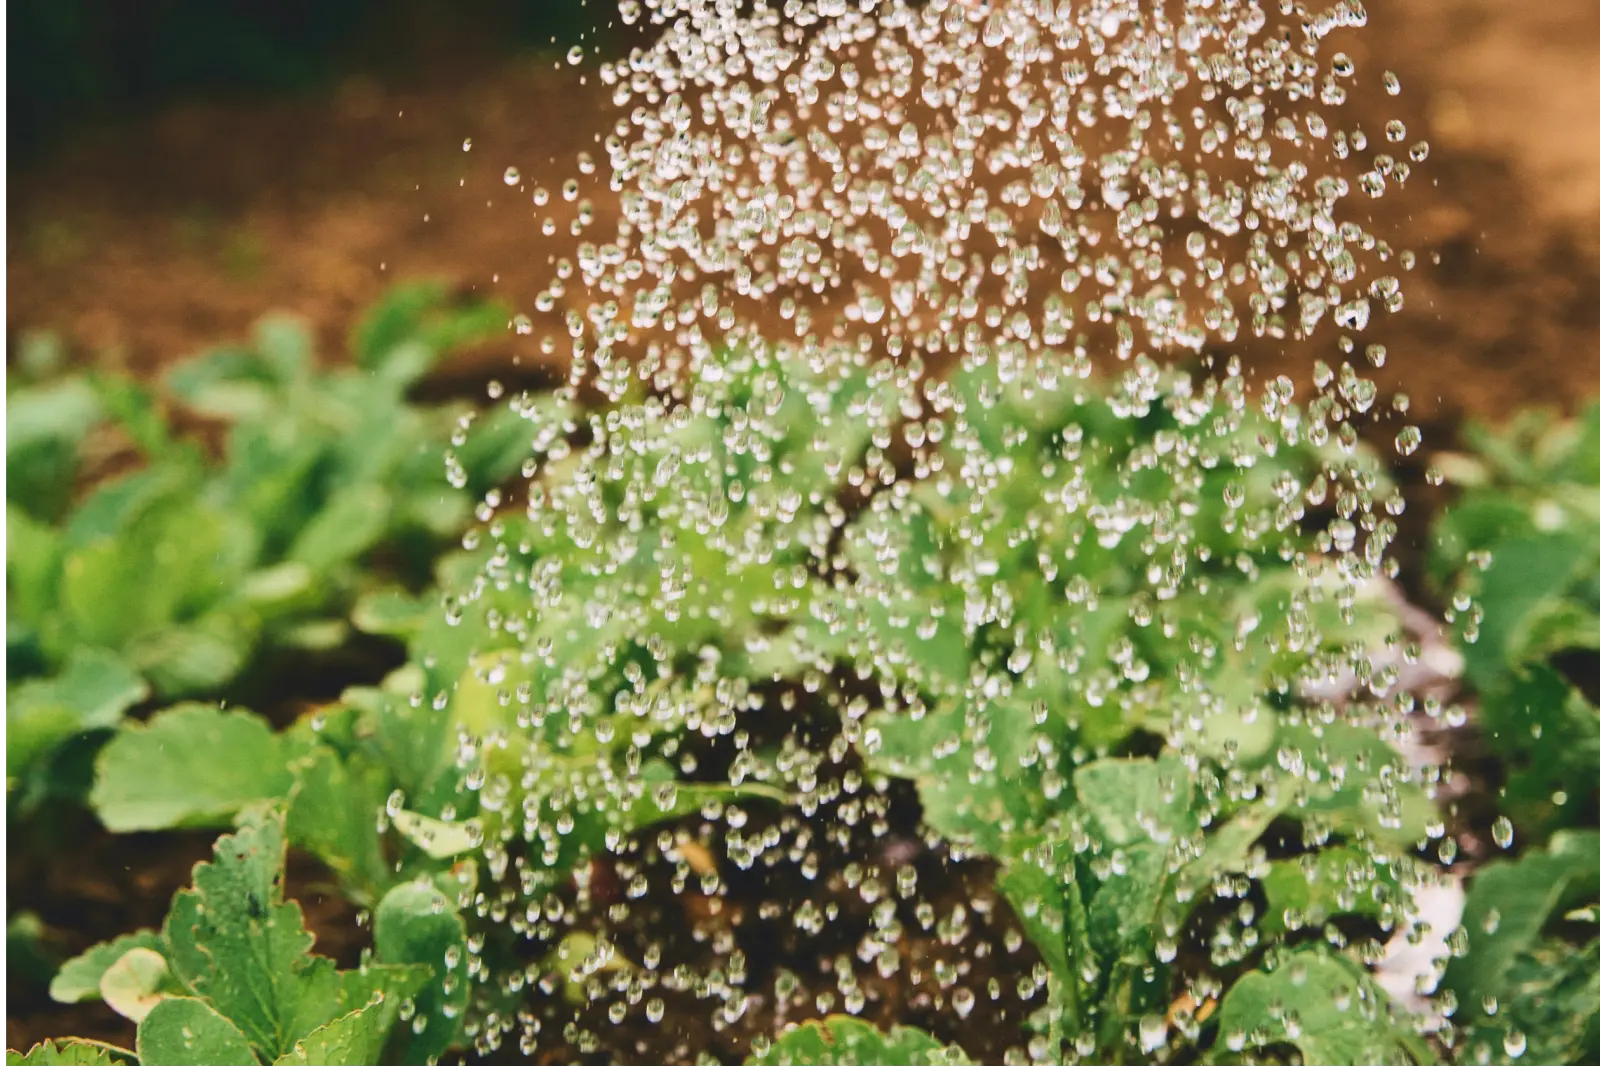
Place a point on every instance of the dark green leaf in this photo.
(416, 923)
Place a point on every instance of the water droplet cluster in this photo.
(876, 464)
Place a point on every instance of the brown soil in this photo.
(146, 243)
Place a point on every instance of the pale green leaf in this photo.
(192, 765)
(79, 977)
(136, 983)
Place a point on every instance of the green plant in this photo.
(1087, 621)
(1526, 988)
(1519, 554)
(166, 581)
(1078, 599)
(230, 979)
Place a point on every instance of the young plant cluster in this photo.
(173, 573)
(1517, 557)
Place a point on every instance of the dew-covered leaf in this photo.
(840, 1039)
(1322, 1005)
(416, 923)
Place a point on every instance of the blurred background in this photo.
(177, 167)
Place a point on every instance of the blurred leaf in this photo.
(1508, 906)
(351, 523)
(1547, 737)
(284, 342)
(1524, 573)
(92, 693)
(79, 978)
(191, 765)
(1549, 998)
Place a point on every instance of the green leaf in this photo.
(1338, 1014)
(33, 567)
(184, 1030)
(1353, 781)
(284, 341)
(352, 1038)
(840, 1039)
(134, 407)
(1309, 890)
(333, 813)
(955, 755)
(416, 923)
(352, 522)
(192, 765)
(79, 977)
(391, 612)
(439, 839)
(235, 941)
(1130, 798)
(62, 410)
(1510, 903)
(1547, 738)
(1524, 574)
(228, 383)
(91, 693)
(1040, 904)
(1551, 996)
(195, 659)
(67, 1053)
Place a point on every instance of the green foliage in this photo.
(168, 580)
(840, 1039)
(1107, 859)
(1520, 981)
(416, 923)
(67, 1053)
(1520, 551)
(230, 978)
(1322, 1005)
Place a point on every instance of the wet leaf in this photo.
(840, 1039)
